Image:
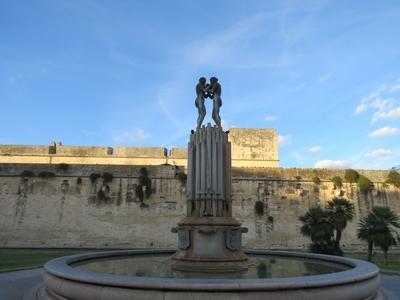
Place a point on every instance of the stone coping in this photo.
(360, 271)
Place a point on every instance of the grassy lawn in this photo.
(393, 264)
(13, 259)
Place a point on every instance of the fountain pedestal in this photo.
(209, 238)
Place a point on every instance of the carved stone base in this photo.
(209, 246)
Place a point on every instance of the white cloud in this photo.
(384, 131)
(396, 86)
(324, 78)
(315, 149)
(332, 164)
(127, 136)
(226, 124)
(270, 118)
(284, 139)
(391, 114)
(379, 153)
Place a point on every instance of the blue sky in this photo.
(325, 74)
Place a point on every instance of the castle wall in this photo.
(251, 147)
(66, 210)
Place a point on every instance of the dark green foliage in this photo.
(79, 181)
(259, 208)
(107, 177)
(270, 219)
(394, 178)
(262, 270)
(316, 180)
(337, 182)
(298, 178)
(182, 177)
(341, 211)
(101, 195)
(94, 177)
(321, 225)
(377, 229)
(351, 175)
(144, 181)
(139, 193)
(27, 173)
(46, 174)
(63, 167)
(364, 184)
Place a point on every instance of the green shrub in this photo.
(298, 178)
(101, 195)
(351, 176)
(145, 181)
(337, 182)
(63, 167)
(27, 173)
(270, 219)
(107, 177)
(364, 184)
(394, 178)
(182, 177)
(139, 193)
(316, 180)
(46, 174)
(79, 181)
(259, 208)
(94, 177)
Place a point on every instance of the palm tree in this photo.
(318, 226)
(377, 229)
(341, 211)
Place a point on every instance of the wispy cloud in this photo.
(384, 131)
(324, 78)
(332, 164)
(226, 124)
(381, 101)
(315, 149)
(135, 136)
(379, 153)
(270, 118)
(284, 139)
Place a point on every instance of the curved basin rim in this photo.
(361, 271)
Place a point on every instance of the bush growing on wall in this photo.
(94, 177)
(46, 174)
(145, 181)
(351, 176)
(316, 180)
(107, 177)
(394, 178)
(139, 193)
(182, 177)
(364, 184)
(27, 173)
(259, 208)
(337, 182)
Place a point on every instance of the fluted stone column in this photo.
(209, 239)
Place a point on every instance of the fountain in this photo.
(210, 261)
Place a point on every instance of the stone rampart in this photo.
(75, 209)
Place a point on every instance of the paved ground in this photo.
(14, 285)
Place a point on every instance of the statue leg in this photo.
(202, 113)
(215, 115)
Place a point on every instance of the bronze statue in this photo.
(212, 91)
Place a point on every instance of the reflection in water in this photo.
(260, 266)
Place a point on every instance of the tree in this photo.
(340, 212)
(337, 182)
(394, 178)
(377, 229)
(316, 180)
(351, 175)
(364, 184)
(318, 226)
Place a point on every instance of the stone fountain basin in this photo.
(63, 281)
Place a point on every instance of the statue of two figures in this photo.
(210, 90)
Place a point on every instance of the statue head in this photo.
(202, 80)
(213, 80)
